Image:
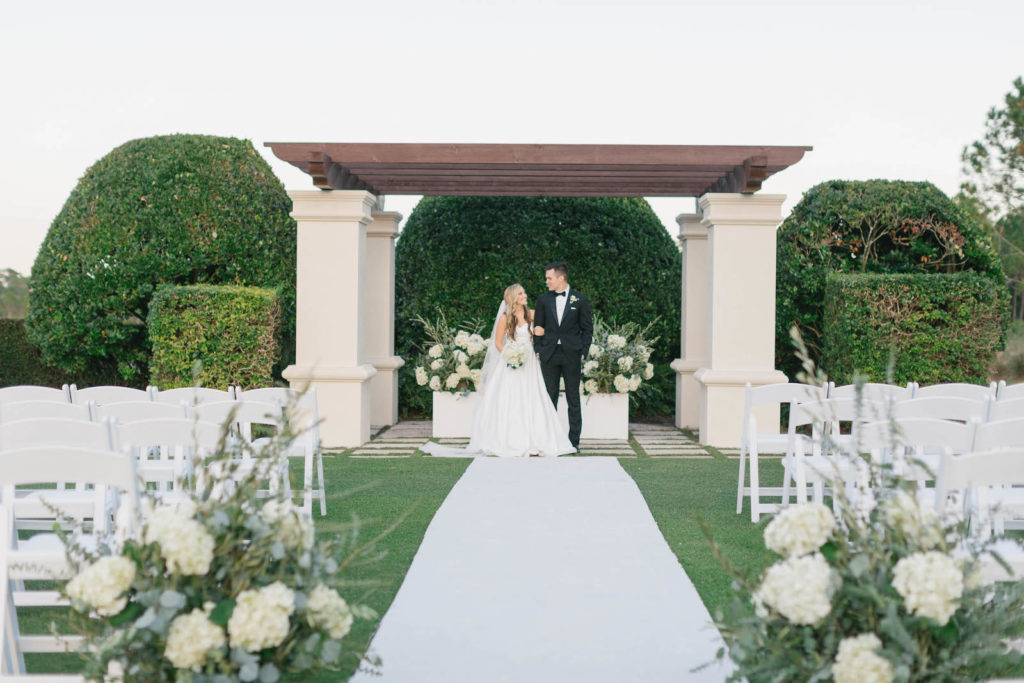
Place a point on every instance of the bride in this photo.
(515, 417)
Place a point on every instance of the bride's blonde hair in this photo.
(512, 293)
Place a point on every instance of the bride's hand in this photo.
(538, 331)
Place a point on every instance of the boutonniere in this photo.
(573, 299)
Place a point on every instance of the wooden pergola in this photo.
(345, 279)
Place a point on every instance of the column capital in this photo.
(385, 224)
(690, 227)
(751, 210)
(331, 206)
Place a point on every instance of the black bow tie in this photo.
(559, 293)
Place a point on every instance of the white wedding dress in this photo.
(514, 418)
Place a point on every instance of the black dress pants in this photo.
(568, 366)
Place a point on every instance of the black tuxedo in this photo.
(562, 349)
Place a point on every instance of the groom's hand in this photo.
(538, 331)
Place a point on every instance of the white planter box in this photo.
(605, 416)
(453, 414)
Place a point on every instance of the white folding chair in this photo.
(30, 392)
(304, 416)
(941, 408)
(999, 434)
(1005, 409)
(977, 392)
(192, 395)
(912, 446)
(109, 394)
(31, 410)
(766, 440)
(166, 448)
(133, 411)
(1004, 392)
(871, 391)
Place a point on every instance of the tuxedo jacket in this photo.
(575, 331)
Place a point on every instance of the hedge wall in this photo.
(233, 330)
(942, 328)
(457, 254)
(21, 362)
(873, 226)
(175, 209)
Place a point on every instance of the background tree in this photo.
(13, 294)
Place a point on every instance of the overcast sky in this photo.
(886, 89)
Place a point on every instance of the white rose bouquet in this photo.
(618, 358)
(221, 585)
(514, 354)
(452, 359)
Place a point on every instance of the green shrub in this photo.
(21, 362)
(177, 209)
(874, 226)
(941, 328)
(232, 330)
(456, 255)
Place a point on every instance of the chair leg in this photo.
(739, 486)
(755, 485)
(320, 477)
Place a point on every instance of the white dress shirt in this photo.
(560, 302)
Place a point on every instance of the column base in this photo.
(722, 395)
(343, 393)
(687, 393)
(384, 390)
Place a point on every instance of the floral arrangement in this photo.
(220, 584)
(453, 358)
(514, 354)
(618, 359)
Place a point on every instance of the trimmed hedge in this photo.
(233, 331)
(21, 362)
(456, 255)
(873, 226)
(941, 328)
(176, 209)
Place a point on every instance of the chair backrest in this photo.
(942, 408)
(133, 411)
(917, 433)
(171, 432)
(871, 391)
(193, 395)
(977, 392)
(58, 432)
(1005, 391)
(305, 413)
(999, 434)
(978, 469)
(241, 413)
(28, 392)
(1006, 409)
(109, 394)
(30, 410)
(784, 392)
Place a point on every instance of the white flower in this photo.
(616, 341)
(621, 384)
(931, 584)
(290, 524)
(626, 363)
(596, 351)
(475, 375)
(634, 382)
(857, 661)
(476, 347)
(101, 584)
(435, 383)
(186, 545)
(799, 530)
(917, 522)
(589, 368)
(452, 381)
(436, 351)
(421, 376)
(329, 611)
(799, 588)
(460, 356)
(260, 618)
(649, 371)
(590, 386)
(190, 638)
(462, 339)
(436, 364)
(643, 353)
(514, 354)
(463, 371)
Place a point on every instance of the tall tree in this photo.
(994, 165)
(13, 294)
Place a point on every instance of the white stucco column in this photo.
(741, 310)
(331, 310)
(693, 352)
(380, 317)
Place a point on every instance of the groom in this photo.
(568, 326)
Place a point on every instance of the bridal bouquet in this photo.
(453, 358)
(619, 357)
(219, 584)
(514, 354)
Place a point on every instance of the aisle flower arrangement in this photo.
(453, 357)
(218, 584)
(618, 360)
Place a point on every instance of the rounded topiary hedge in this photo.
(872, 226)
(456, 255)
(176, 209)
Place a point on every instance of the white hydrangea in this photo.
(930, 583)
(463, 371)
(476, 347)
(291, 525)
(329, 611)
(596, 351)
(436, 364)
(589, 368)
(475, 375)
(421, 376)
(460, 356)
(858, 662)
(435, 383)
(649, 371)
(261, 617)
(634, 382)
(916, 521)
(626, 363)
(799, 530)
(436, 351)
(186, 545)
(590, 386)
(462, 339)
(452, 381)
(799, 588)
(621, 384)
(101, 584)
(616, 341)
(190, 639)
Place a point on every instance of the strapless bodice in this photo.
(523, 333)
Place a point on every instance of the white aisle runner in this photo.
(538, 570)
